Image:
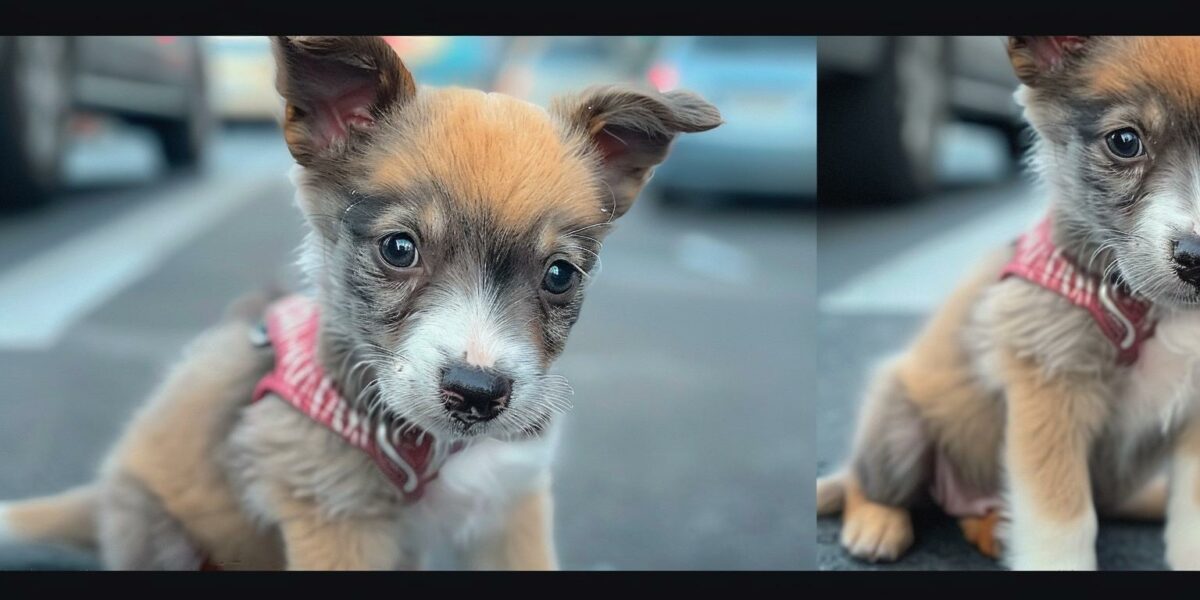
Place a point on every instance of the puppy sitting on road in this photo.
(1063, 374)
(452, 233)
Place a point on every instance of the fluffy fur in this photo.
(492, 192)
(1016, 388)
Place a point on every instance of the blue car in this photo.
(766, 90)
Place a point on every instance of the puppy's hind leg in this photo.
(831, 493)
(68, 517)
(891, 466)
(137, 533)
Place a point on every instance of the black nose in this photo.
(472, 394)
(1187, 258)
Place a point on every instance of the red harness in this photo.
(1122, 316)
(408, 456)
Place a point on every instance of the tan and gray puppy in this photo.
(452, 232)
(1013, 391)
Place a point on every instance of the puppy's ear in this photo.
(336, 89)
(632, 131)
(1037, 57)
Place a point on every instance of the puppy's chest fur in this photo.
(1149, 397)
(275, 449)
(1162, 386)
(1144, 404)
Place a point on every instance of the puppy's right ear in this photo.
(336, 89)
(631, 131)
(1036, 57)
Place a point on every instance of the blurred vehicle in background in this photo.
(436, 60)
(152, 81)
(538, 68)
(765, 88)
(243, 78)
(243, 70)
(888, 97)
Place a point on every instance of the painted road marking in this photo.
(918, 279)
(41, 298)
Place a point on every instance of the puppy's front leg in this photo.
(525, 542)
(1183, 502)
(1051, 422)
(316, 542)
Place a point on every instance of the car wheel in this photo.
(888, 124)
(1019, 138)
(184, 140)
(35, 102)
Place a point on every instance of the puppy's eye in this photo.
(399, 250)
(560, 277)
(1125, 143)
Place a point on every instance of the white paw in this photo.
(1183, 547)
(1183, 516)
(1066, 562)
(1042, 545)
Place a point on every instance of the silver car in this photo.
(154, 81)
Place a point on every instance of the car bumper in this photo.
(725, 166)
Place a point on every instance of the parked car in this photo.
(765, 88)
(888, 97)
(154, 81)
(462, 60)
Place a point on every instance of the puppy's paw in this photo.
(1045, 555)
(1035, 542)
(831, 494)
(1082, 562)
(1183, 548)
(875, 532)
(983, 533)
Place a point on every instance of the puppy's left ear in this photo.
(632, 131)
(336, 88)
(1038, 58)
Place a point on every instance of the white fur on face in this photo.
(469, 325)
(1167, 206)
(1144, 256)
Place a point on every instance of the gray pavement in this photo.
(686, 449)
(882, 272)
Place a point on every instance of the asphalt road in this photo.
(882, 272)
(685, 449)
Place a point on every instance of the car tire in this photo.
(185, 140)
(1020, 140)
(887, 125)
(36, 98)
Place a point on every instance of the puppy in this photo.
(407, 401)
(1061, 377)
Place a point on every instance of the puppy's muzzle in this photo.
(1186, 254)
(471, 394)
